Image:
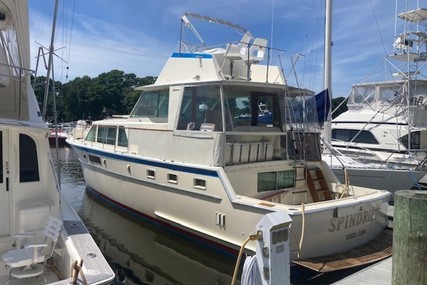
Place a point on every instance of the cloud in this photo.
(138, 36)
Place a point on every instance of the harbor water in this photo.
(142, 253)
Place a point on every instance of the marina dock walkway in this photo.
(378, 274)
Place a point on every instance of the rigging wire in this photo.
(378, 27)
(310, 47)
(67, 32)
(69, 43)
(272, 24)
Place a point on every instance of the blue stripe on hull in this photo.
(191, 55)
(170, 166)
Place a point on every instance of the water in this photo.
(140, 253)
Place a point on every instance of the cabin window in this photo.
(152, 104)
(122, 139)
(95, 159)
(172, 178)
(391, 94)
(91, 135)
(276, 180)
(247, 106)
(415, 140)
(199, 184)
(151, 174)
(362, 95)
(28, 162)
(106, 135)
(201, 109)
(355, 136)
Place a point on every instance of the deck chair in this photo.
(239, 50)
(257, 50)
(27, 262)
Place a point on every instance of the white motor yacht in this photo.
(385, 128)
(199, 154)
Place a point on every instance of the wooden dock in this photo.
(378, 274)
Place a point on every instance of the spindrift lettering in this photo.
(349, 221)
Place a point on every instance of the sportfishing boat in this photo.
(198, 154)
(385, 126)
(41, 237)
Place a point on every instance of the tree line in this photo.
(110, 93)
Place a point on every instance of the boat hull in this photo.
(388, 179)
(220, 218)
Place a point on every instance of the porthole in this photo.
(199, 184)
(151, 174)
(172, 178)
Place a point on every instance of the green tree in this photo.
(107, 94)
(39, 86)
(338, 103)
(77, 99)
(132, 95)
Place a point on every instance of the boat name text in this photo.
(352, 220)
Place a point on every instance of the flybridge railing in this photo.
(249, 50)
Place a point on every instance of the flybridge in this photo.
(249, 59)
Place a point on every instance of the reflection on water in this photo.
(140, 253)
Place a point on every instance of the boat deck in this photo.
(81, 246)
(49, 274)
(376, 250)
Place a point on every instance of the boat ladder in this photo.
(317, 184)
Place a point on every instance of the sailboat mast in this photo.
(327, 82)
(50, 62)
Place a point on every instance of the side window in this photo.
(111, 135)
(355, 136)
(201, 109)
(102, 135)
(247, 107)
(107, 135)
(91, 135)
(28, 162)
(122, 139)
(152, 104)
(275, 180)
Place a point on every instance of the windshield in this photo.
(152, 104)
(251, 106)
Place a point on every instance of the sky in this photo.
(137, 36)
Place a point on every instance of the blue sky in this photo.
(138, 36)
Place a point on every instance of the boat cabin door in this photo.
(4, 185)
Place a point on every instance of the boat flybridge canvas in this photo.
(41, 236)
(215, 144)
(385, 126)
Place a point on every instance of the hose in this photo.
(302, 229)
(255, 236)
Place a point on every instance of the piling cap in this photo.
(412, 194)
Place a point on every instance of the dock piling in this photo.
(410, 238)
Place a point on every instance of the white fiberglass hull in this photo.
(217, 215)
(388, 179)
